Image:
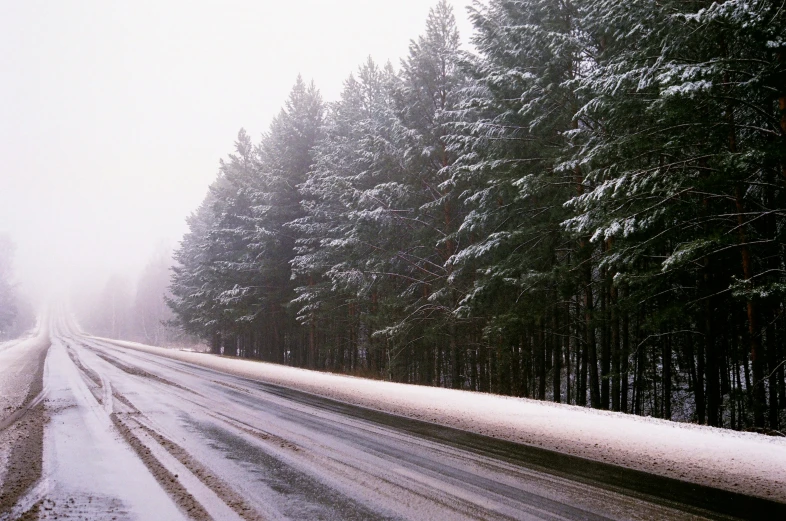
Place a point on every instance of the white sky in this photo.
(114, 114)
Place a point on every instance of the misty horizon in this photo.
(116, 116)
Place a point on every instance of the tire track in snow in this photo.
(168, 480)
(174, 474)
(213, 483)
(90, 471)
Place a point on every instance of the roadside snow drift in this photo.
(748, 463)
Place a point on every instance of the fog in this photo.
(113, 115)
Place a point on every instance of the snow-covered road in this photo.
(88, 469)
(135, 435)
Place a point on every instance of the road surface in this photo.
(94, 430)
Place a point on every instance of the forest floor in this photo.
(128, 431)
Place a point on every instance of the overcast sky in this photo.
(114, 114)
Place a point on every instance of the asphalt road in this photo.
(131, 435)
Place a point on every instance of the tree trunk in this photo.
(455, 358)
(667, 377)
(592, 354)
(782, 107)
(556, 365)
(605, 348)
(713, 388)
(772, 362)
(641, 359)
(473, 361)
(754, 331)
(215, 343)
(568, 387)
(615, 350)
(581, 365)
(541, 360)
(483, 376)
(625, 363)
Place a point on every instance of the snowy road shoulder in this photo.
(747, 463)
(22, 417)
(87, 469)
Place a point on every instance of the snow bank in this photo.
(748, 463)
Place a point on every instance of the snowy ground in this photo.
(748, 463)
(88, 470)
(22, 416)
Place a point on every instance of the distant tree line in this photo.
(133, 312)
(17, 315)
(589, 208)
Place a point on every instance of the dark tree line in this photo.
(589, 209)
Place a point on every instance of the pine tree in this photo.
(346, 199)
(426, 97)
(676, 193)
(514, 131)
(588, 207)
(193, 298)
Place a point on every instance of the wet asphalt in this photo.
(403, 468)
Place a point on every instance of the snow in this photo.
(84, 457)
(5, 346)
(748, 463)
(690, 88)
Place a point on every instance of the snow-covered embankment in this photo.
(748, 463)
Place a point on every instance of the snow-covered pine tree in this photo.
(686, 179)
(240, 293)
(426, 96)
(342, 255)
(285, 158)
(514, 129)
(594, 200)
(193, 296)
(233, 281)
(382, 216)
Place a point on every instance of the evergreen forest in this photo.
(585, 205)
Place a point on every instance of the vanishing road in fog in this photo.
(109, 432)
